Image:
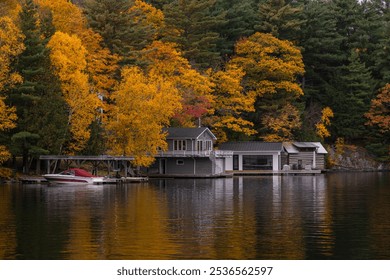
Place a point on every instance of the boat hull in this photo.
(72, 180)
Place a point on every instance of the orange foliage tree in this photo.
(143, 105)
(163, 59)
(379, 113)
(272, 67)
(231, 101)
(10, 46)
(68, 57)
(322, 126)
(7, 121)
(101, 63)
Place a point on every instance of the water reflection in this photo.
(273, 217)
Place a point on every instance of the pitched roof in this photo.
(251, 146)
(187, 132)
(293, 147)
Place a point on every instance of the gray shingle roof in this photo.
(186, 132)
(251, 146)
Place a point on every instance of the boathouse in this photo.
(305, 155)
(278, 156)
(190, 153)
(255, 155)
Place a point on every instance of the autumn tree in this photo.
(11, 45)
(322, 125)
(379, 119)
(379, 113)
(230, 104)
(7, 121)
(272, 67)
(9, 8)
(143, 105)
(101, 63)
(163, 59)
(69, 59)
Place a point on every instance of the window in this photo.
(179, 145)
(209, 145)
(204, 145)
(256, 162)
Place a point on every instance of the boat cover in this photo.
(78, 172)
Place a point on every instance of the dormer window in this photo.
(179, 145)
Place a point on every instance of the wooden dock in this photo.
(122, 180)
(275, 172)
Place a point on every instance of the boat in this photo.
(73, 176)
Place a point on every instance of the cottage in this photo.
(305, 155)
(190, 153)
(254, 155)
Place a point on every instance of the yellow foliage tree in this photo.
(321, 127)
(271, 69)
(9, 8)
(143, 105)
(145, 16)
(271, 65)
(163, 59)
(101, 64)
(68, 57)
(11, 45)
(230, 102)
(7, 121)
(281, 123)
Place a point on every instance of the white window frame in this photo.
(209, 145)
(179, 145)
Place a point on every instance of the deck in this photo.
(275, 172)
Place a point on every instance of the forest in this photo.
(93, 77)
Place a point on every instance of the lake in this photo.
(328, 216)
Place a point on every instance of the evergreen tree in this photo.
(38, 99)
(280, 18)
(110, 18)
(159, 4)
(197, 28)
(241, 17)
(379, 57)
(352, 102)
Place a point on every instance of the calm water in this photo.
(334, 216)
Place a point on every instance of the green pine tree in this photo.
(241, 17)
(353, 100)
(281, 18)
(38, 99)
(198, 23)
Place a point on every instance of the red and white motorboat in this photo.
(73, 176)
